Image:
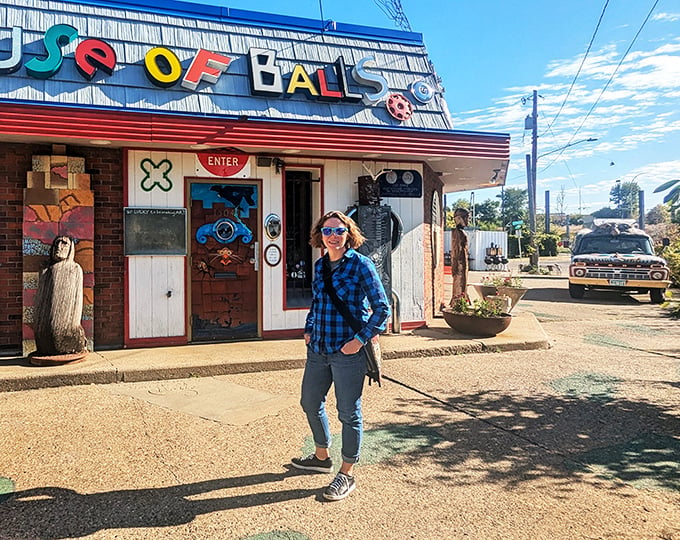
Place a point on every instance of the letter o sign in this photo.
(162, 67)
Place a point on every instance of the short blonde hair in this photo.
(354, 236)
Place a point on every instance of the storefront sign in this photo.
(266, 79)
(221, 164)
(161, 65)
(163, 69)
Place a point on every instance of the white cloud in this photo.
(666, 17)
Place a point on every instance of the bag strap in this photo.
(339, 304)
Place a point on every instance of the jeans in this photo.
(347, 372)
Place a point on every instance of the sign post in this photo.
(517, 225)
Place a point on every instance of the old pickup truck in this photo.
(616, 255)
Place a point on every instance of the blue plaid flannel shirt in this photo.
(357, 284)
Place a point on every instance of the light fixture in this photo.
(100, 142)
(434, 158)
(290, 151)
(200, 146)
(371, 156)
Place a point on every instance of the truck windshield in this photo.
(615, 244)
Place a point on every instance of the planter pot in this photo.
(473, 325)
(514, 293)
(483, 290)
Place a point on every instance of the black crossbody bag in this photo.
(372, 347)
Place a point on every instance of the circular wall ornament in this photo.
(272, 255)
(399, 107)
(422, 91)
(391, 177)
(272, 226)
(407, 177)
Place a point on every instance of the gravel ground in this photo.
(580, 441)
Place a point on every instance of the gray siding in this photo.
(133, 33)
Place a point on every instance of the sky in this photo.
(603, 69)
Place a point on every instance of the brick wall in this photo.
(106, 169)
(15, 162)
(434, 277)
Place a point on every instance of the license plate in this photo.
(617, 282)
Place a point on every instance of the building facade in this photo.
(188, 149)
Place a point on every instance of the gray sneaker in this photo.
(313, 463)
(341, 486)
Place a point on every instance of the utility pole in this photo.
(641, 204)
(547, 212)
(533, 259)
(530, 192)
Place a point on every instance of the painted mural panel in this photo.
(224, 281)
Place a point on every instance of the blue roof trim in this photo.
(255, 18)
(251, 119)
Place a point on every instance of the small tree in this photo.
(624, 196)
(672, 198)
(659, 214)
(514, 204)
(606, 212)
(486, 214)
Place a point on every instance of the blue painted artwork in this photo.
(225, 231)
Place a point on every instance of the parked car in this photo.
(617, 255)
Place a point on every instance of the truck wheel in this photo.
(656, 296)
(576, 291)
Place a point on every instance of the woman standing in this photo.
(334, 354)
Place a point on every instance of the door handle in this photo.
(257, 257)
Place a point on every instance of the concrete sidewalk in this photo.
(130, 365)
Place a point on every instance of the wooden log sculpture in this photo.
(459, 255)
(59, 336)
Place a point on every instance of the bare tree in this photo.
(560, 204)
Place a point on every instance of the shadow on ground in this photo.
(55, 513)
(514, 439)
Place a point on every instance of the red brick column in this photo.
(434, 275)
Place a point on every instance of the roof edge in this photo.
(256, 18)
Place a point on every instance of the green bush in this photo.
(672, 255)
(547, 244)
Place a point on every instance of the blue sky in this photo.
(491, 54)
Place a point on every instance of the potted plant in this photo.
(502, 285)
(482, 318)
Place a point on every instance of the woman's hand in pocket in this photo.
(352, 347)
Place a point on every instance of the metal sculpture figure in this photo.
(459, 255)
(59, 303)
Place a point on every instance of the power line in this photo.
(583, 61)
(394, 10)
(611, 78)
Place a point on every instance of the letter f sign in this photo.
(206, 66)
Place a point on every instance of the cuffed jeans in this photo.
(347, 373)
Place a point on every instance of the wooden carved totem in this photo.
(57, 202)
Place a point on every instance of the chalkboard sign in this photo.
(155, 231)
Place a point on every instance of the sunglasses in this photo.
(337, 231)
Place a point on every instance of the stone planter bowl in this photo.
(514, 293)
(473, 325)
